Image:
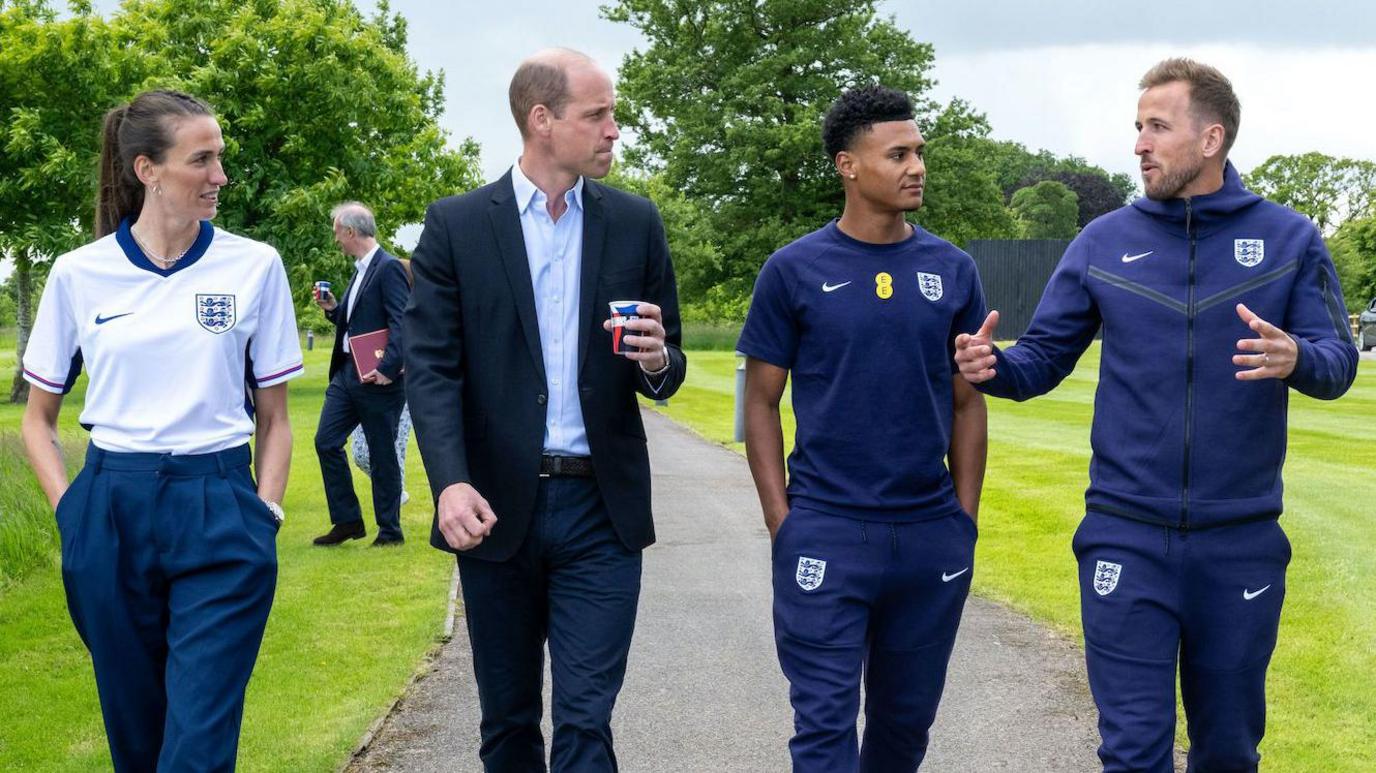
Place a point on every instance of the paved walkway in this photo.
(704, 692)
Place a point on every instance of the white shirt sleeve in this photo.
(52, 358)
(275, 349)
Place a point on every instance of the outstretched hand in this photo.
(1274, 353)
(975, 353)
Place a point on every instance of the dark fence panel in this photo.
(1015, 273)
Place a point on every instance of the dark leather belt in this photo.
(566, 466)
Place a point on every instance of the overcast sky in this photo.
(1054, 74)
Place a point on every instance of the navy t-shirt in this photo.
(867, 332)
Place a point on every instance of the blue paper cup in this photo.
(322, 288)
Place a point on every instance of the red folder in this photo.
(367, 350)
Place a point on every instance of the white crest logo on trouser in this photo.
(810, 572)
(1106, 577)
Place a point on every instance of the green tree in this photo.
(697, 258)
(57, 78)
(1097, 191)
(1328, 190)
(962, 200)
(1047, 210)
(1353, 247)
(726, 100)
(318, 105)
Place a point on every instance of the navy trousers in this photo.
(874, 600)
(574, 585)
(350, 403)
(1154, 598)
(169, 563)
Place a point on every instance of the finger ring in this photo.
(1266, 358)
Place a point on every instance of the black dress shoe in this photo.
(388, 542)
(342, 532)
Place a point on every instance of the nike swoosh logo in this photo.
(948, 577)
(1248, 595)
(1130, 258)
(826, 288)
(102, 320)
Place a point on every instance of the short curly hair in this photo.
(859, 109)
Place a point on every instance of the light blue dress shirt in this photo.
(554, 251)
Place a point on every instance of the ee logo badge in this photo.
(883, 285)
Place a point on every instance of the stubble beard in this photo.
(1169, 184)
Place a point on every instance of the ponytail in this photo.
(119, 196)
(141, 128)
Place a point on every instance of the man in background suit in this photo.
(374, 300)
(528, 423)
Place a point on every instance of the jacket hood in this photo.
(1207, 210)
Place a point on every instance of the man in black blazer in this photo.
(528, 422)
(375, 300)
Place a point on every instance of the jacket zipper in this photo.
(1189, 374)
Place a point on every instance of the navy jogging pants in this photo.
(1208, 602)
(869, 600)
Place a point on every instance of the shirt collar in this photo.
(362, 263)
(526, 192)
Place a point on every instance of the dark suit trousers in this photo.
(574, 584)
(350, 403)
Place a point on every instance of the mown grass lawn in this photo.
(348, 627)
(1322, 685)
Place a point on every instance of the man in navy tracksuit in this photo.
(873, 538)
(1213, 303)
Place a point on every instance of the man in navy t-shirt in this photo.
(873, 537)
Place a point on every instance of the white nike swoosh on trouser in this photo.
(948, 577)
(1249, 595)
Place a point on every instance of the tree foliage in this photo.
(1095, 192)
(697, 258)
(318, 104)
(1047, 210)
(962, 199)
(1328, 190)
(1353, 247)
(57, 78)
(1098, 192)
(726, 101)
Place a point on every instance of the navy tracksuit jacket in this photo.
(1180, 542)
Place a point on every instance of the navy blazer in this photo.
(381, 303)
(475, 374)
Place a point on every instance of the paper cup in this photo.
(623, 312)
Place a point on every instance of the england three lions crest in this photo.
(1249, 252)
(215, 312)
(1106, 575)
(810, 573)
(931, 286)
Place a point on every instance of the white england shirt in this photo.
(172, 354)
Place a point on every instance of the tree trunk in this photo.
(23, 287)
